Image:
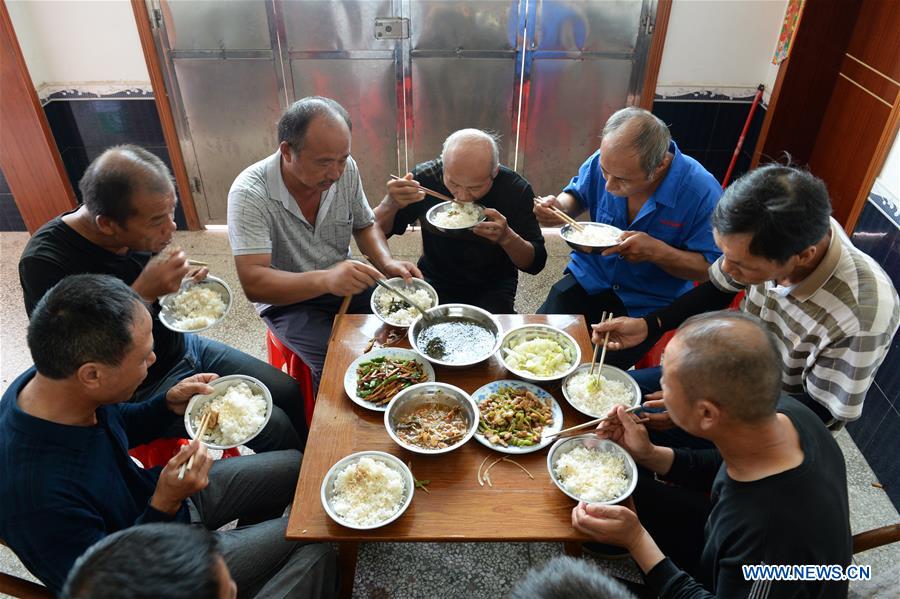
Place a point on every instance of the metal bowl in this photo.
(451, 311)
(403, 287)
(221, 385)
(166, 314)
(567, 230)
(566, 445)
(611, 373)
(417, 395)
(538, 331)
(438, 209)
(386, 459)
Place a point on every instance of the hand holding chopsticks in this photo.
(209, 420)
(595, 422)
(575, 224)
(429, 192)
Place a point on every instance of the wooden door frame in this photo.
(166, 118)
(654, 56)
(30, 159)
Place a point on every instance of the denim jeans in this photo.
(287, 426)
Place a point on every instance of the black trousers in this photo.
(567, 296)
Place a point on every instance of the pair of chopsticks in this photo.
(209, 420)
(575, 224)
(430, 192)
(197, 263)
(595, 422)
(340, 315)
(603, 318)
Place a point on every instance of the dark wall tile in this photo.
(864, 429)
(689, 122)
(882, 452)
(10, 219)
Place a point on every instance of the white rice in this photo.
(367, 492)
(457, 216)
(584, 396)
(592, 474)
(594, 235)
(241, 414)
(196, 307)
(396, 311)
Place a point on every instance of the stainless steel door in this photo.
(543, 74)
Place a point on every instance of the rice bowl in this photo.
(616, 388)
(593, 470)
(367, 490)
(244, 405)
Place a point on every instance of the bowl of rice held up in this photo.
(392, 310)
(592, 470)
(197, 306)
(595, 394)
(244, 406)
(455, 216)
(594, 239)
(539, 353)
(367, 490)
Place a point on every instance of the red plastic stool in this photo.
(279, 355)
(157, 453)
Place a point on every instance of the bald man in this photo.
(478, 266)
(640, 182)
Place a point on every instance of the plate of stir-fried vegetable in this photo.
(373, 379)
(513, 416)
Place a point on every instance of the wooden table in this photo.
(456, 508)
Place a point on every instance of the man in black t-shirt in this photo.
(125, 223)
(773, 492)
(478, 266)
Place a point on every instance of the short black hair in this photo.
(112, 178)
(785, 210)
(83, 318)
(565, 577)
(295, 121)
(732, 359)
(171, 560)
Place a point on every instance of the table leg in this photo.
(573, 548)
(348, 551)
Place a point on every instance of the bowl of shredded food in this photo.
(593, 239)
(593, 470)
(243, 406)
(515, 416)
(455, 216)
(431, 418)
(595, 394)
(539, 353)
(373, 379)
(392, 310)
(367, 490)
(197, 306)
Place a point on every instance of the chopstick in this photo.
(605, 343)
(337, 319)
(575, 224)
(200, 432)
(197, 263)
(591, 423)
(430, 192)
(597, 347)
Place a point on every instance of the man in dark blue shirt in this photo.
(68, 480)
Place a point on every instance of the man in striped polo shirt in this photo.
(832, 309)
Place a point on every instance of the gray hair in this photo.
(296, 119)
(730, 358)
(476, 135)
(650, 138)
(565, 577)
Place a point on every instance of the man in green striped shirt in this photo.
(832, 308)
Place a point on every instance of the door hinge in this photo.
(391, 28)
(647, 24)
(157, 18)
(195, 185)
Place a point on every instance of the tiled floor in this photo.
(395, 570)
